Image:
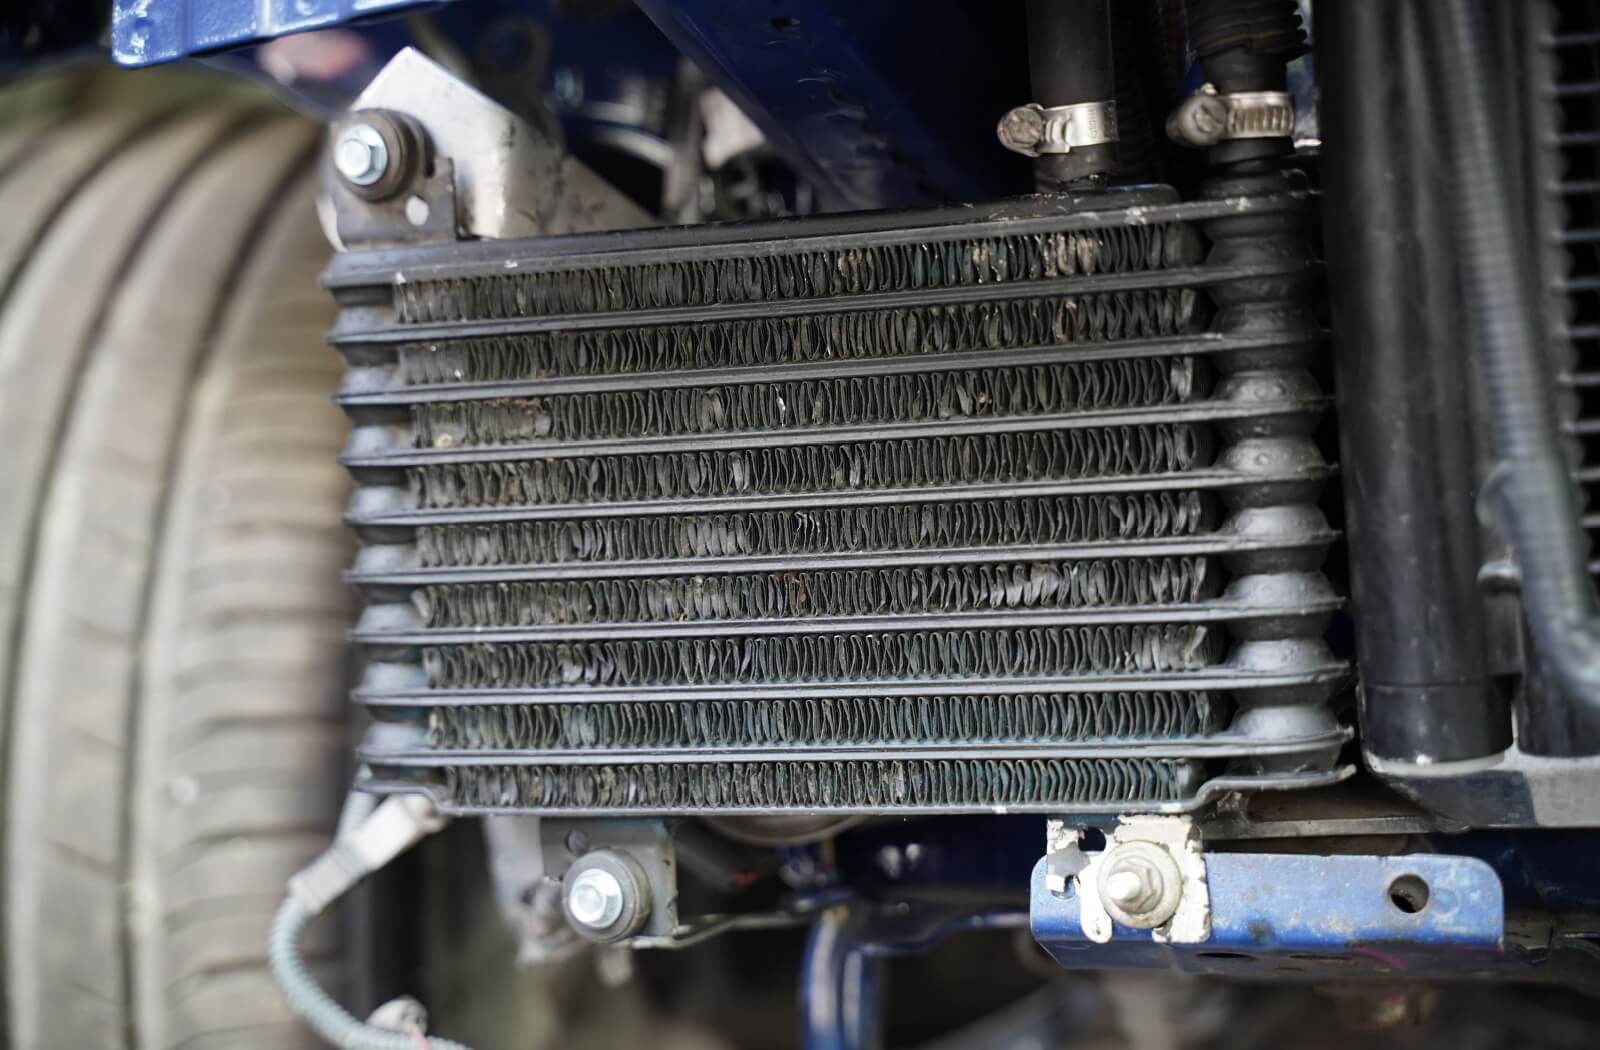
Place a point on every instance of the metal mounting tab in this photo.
(1151, 876)
(476, 169)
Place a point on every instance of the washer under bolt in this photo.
(606, 896)
(595, 899)
(360, 155)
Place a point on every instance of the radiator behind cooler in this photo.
(990, 508)
(1572, 220)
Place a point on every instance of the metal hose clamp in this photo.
(1208, 117)
(1033, 130)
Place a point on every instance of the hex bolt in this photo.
(360, 155)
(606, 896)
(595, 899)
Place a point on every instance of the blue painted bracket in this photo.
(1284, 914)
(874, 108)
(145, 32)
(877, 104)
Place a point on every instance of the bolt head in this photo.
(596, 899)
(360, 155)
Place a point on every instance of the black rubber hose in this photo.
(1246, 45)
(1531, 488)
(1405, 430)
(1069, 51)
(1069, 62)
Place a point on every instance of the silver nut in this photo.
(595, 899)
(1140, 884)
(1134, 885)
(360, 155)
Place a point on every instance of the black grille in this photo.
(995, 508)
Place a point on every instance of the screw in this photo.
(1124, 887)
(1022, 128)
(1210, 118)
(360, 155)
(596, 899)
(1200, 120)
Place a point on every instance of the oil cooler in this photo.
(999, 508)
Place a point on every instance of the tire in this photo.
(172, 646)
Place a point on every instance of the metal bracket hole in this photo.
(1408, 894)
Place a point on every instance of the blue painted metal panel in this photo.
(1544, 870)
(1306, 915)
(145, 32)
(970, 852)
(878, 105)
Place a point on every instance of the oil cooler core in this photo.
(999, 508)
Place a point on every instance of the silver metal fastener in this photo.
(360, 155)
(1140, 884)
(1125, 887)
(596, 899)
(1033, 130)
(1209, 117)
(1151, 876)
